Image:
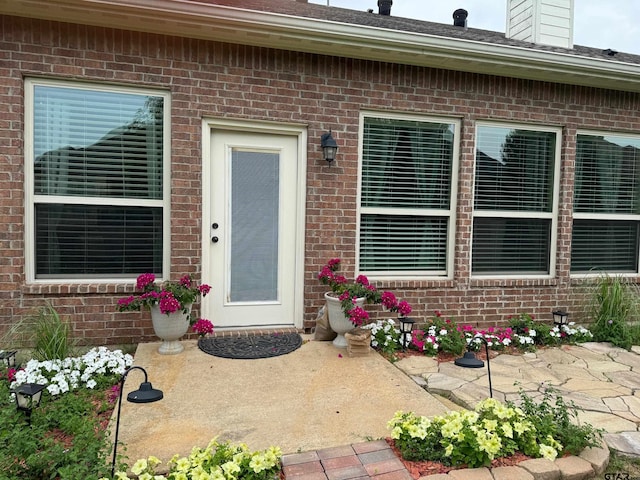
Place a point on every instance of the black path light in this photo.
(329, 147)
(469, 360)
(560, 317)
(145, 394)
(28, 396)
(406, 327)
(9, 358)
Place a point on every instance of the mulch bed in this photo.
(427, 467)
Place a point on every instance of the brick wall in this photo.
(208, 79)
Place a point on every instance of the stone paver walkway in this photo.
(604, 381)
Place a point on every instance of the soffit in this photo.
(249, 27)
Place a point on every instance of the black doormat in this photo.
(255, 346)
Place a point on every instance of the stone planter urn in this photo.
(338, 321)
(170, 328)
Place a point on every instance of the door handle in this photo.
(214, 239)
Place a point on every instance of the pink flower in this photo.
(389, 300)
(358, 316)
(362, 280)
(404, 308)
(204, 289)
(144, 280)
(202, 327)
(168, 304)
(186, 281)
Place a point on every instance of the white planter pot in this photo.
(170, 328)
(338, 321)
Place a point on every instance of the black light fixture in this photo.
(28, 396)
(329, 147)
(406, 327)
(560, 317)
(9, 358)
(469, 360)
(145, 394)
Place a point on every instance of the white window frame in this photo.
(605, 216)
(31, 199)
(553, 215)
(450, 213)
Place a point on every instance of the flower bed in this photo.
(441, 335)
(476, 438)
(218, 461)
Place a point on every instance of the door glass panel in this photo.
(254, 226)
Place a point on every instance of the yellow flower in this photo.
(153, 461)
(507, 430)
(180, 476)
(183, 464)
(548, 452)
(490, 425)
(449, 450)
(139, 467)
(257, 464)
(145, 476)
(396, 432)
(217, 474)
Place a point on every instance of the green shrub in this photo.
(449, 337)
(551, 415)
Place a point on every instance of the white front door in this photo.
(253, 211)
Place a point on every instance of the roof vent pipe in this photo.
(384, 7)
(460, 18)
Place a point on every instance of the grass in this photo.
(624, 466)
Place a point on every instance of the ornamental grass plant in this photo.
(614, 306)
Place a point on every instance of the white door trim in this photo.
(297, 130)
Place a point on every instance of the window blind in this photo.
(407, 170)
(403, 243)
(514, 169)
(96, 146)
(406, 164)
(604, 245)
(606, 185)
(511, 246)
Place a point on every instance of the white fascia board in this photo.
(237, 25)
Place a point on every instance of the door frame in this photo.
(247, 126)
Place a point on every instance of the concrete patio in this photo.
(318, 402)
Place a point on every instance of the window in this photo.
(606, 204)
(406, 192)
(515, 201)
(95, 162)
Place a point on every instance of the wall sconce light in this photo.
(406, 327)
(145, 394)
(9, 358)
(28, 396)
(560, 317)
(469, 360)
(329, 147)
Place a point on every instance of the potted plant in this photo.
(170, 306)
(346, 300)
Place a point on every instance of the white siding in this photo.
(548, 22)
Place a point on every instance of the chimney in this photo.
(460, 18)
(547, 22)
(384, 7)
